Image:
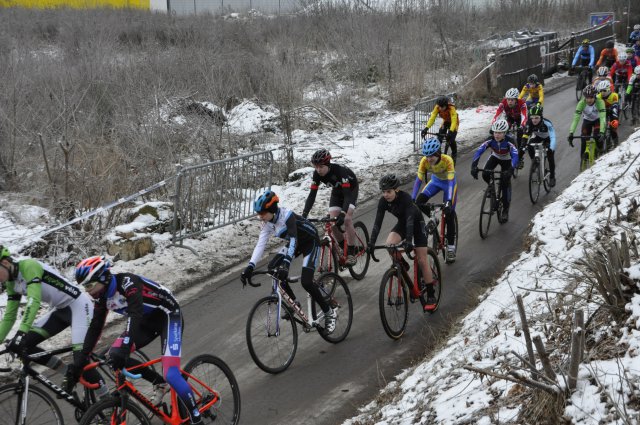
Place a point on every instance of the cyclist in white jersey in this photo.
(594, 113)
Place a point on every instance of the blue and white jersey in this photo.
(503, 150)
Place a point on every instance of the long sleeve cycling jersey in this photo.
(612, 104)
(583, 54)
(403, 208)
(621, 71)
(40, 283)
(501, 150)
(635, 35)
(532, 91)
(590, 113)
(448, 115)
(516, 114)
(634, 84)
(607, 57)
(339, 178)
(542, 131)
(443, 170)
(287, 225)
(132, 296)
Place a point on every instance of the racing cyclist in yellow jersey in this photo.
(449, 127)
(533, 90)
(611, 102)
(443, 178)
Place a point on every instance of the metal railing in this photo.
(421, 113)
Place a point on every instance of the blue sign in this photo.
(600, 18)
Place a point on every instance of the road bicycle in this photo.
(398, 289)
(623, 104)
(513, 133)
(214, 387)
(539, 174)
(492, 201)
(582, 81)
(333, 256)
(590, 153)
(437, 229)
(272, 332)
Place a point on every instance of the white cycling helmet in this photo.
(500, 126)
(636, 70)
(636, 27)
(511, 94)
(603, 71)
(622, 56)
(604, 87)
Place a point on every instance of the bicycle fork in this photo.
(23, 402)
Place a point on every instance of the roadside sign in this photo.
(600, 18)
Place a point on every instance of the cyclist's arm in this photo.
(95, 327)
(514, 155)
(592, 56)
(576, 56)
(432, 117)
(347, 191)
(410, 211)
(541, 94)
(498, 112)
(483, 147)
(10, 311)
(523, 91)
(375, 230)
(32, 273)
(602, 114)
(416, 187)
(523, 114)
(421, 177)
(552, 135)
(602, 55)
(311, 199)
(451, 175)
(258, 251)
(133, 287)
(453, 113)
(292, 235)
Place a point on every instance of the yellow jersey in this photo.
(443, 169)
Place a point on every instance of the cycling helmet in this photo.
(93, 269)
(500, 126)
(268, 201)
(389, 181)
(609, 44)
(532, 79)
(442, 101)
(604, 87)
(431, 146)
(630, 51)
(589, 91)
(536, 109)
(622, 56)
(602, 71)
(511, 94)
(585, 41)
(4, 252)
(636, 70)
(636, 27)
(321, 157)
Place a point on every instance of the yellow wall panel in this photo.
(76, 4)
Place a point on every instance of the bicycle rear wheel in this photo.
(328, 260)
(434, 264)
(359, 269)
(336, 292)
(579, 87)
(393, 300)
(486, 211)
(211, 373)
(271, 349)
(534, 181)
(42, 409)
(107, 410)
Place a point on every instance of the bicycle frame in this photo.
(398, 263)
(329, 238)
(435, 223)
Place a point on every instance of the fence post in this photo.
(176, 202)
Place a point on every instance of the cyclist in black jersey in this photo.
(343, 200)
(410, 227)
(151, 311)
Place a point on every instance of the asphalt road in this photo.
(327, 383)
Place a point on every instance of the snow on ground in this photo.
(441, 391)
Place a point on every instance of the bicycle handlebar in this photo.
(270, 273)
(583, 137)
(399, 247)
(494, 172)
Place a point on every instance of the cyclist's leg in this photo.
(52, 323)
(421, 242)
(505, 184)
(306, 278)
(552, 160)
(348, 220)
(79, 317)
(451, 137)
(336, 201)
(171, 339)
(452, 196)
(274, 263)
(491, 163)
(429, 191)
(531, 151)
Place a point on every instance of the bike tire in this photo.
(270, 352)
(486, 211)
(215, 374)
(547, 175)
(337, 294)
(328, 260)
(393, 301)
(534, 182)
(359, 270)
(580, 84)
(624, 106)
(42, 410)
(110, 407)
(434, 264)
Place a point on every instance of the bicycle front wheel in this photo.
(41, 409)
(579, 87)
(455, 238)
(394, 304)
(109, 411)
(359, 269)
(547, 174)
(534, 182)
(334, 289)
(272, 340)
(486, 211)
(434, 264)
(210, 378)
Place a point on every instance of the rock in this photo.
(131, 249)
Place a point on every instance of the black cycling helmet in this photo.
(536, 109)
(442, 101)
(389, 181)
(321, 157)
(609, 44)
(589, 91)
(533, 79)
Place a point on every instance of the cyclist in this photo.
(533, 90)
(443, 178)
(633, 59)
(302, 238)
(343, 200)
(602, 74)
(608, 55)
(68, 307)
(594, 117)
(515, 111)
(621, 71)
(410, 227)
(151, 311)
(636, 48)
(540, 129)
(633, 89)
(585, 57)
(611, 102)
(449, 127)
(635, 34)
(505, 154)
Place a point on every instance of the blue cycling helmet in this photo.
(93, 269)
(431, 146)
(268, 201)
